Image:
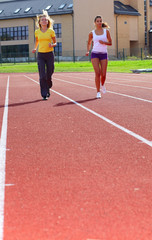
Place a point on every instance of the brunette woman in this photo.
(101, 39)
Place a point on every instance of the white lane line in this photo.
(9, 185)
(128, 80)
(31, 79)
(140, 138)
(121, 76)
(137, 76)
(78, 84)
(149, 88)
(129, 96)
(124, 95)
(3, 141)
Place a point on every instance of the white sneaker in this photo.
(103, 89)
(98, 95)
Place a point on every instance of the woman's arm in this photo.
(109, 42)
(54, 42)
(90, 37)
(35, 47)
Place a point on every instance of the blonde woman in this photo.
(100, 38)
(46, 39)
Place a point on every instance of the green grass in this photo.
(127, 66)
(113, 66)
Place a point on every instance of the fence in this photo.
(121, 54)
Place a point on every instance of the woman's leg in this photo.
(96, 66)
(42, 75)
(50, 68)
(103, 69)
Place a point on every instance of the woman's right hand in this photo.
(87, 53)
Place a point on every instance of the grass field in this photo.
(113, 66)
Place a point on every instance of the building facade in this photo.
(130, 22)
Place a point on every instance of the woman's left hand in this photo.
(101, 42)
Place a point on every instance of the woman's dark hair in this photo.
(104, 24)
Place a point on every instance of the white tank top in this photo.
(98, 47)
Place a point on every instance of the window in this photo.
(123, 7)
(62, 6)
(17, 10)
(70, 6)
(48, 7)
(58, 49)
(27, 9)
(24, 32)
(4, 34)
(14, 33)
(58, 30)
(15, 51)
(0, 33)
(117, 7)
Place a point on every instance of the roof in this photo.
(30, 8)
(122, 9)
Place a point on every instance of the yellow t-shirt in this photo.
(44, 38)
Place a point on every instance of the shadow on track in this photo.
(70, 103)
(22, 103)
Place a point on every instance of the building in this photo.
(130, 22)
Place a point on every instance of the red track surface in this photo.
(75, 176)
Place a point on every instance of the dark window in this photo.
(14, 33)
(58, 30)
(15, 51)
(58, 49)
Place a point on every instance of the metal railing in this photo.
(123, 54)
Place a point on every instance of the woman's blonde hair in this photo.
(50, 20)
(104, 24)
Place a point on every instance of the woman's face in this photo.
(98, 22)
(43, 21)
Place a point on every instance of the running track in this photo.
(76, 167)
